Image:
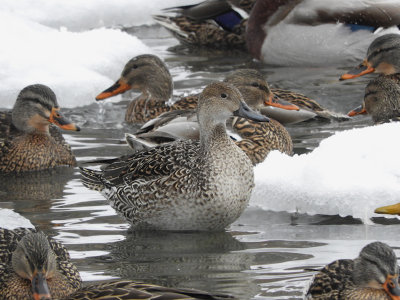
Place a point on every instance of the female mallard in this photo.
(374, 274)
(149, 75)
(34, 266)
(214, 24)
(316, 32)
(381, 100)
(185, 185)
(28, 140)
(255, 139)
(383, 57)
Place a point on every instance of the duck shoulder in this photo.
(137, 290)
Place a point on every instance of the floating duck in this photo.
(28, 139)
(374, 274)
(381, 101)
(185, 185)
(317, 32)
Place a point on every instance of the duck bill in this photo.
(359, 110)
(58, 119)
(275, 101)
(119, 87)
(358, 71)
(390, 209)
(391, 286)
(40, 288)
(246, 112)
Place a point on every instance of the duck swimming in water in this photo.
(29, 137)
(185, 185)
(374, 274)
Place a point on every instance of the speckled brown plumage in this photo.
(12, 286)
(360, 279)
(138, 290)
(28, 139)
(185, 185)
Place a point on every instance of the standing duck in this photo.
(374, 274)
(185, 185)
(383, 57)
(316, 32)
(256, 139)
(214, 24)
(28, 139)
(34, 266)
(381, 100)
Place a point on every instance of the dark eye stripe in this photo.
(37, 100)
(375, 53)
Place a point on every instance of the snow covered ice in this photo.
(351, 173)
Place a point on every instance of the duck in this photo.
(186, 185)
(383, 57)
(372, 275)
(211, 24)
(29, 135)
(149, 75)
(381, 100)
(256, 139)
(35, 266)
(317, 33)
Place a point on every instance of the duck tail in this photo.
(93, 179)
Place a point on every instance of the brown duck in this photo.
(374, 274)
(28, 139)
(34, 266)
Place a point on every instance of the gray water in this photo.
(263, 255)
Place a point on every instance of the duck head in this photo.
(383, 57)
(34, 260)
(144, 73)
(35, 108)
(255, 90)
(381, 100)
(377, 267)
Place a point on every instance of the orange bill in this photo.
(390, 209)
(117, 88)
(39, 287)
(358, 71)
(58, 119)
(275, 101)
(359, 110)
(391, 286)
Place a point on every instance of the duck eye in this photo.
(255, 84)
(134, 66)
(223, 95)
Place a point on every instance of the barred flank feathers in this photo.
(92, 179)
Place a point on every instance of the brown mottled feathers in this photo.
(298, 99)
(25, 152)
(138, 290)
(12, 284)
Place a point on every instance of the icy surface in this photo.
(11, 220)
(350, 173)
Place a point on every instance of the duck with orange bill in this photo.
(29, 135)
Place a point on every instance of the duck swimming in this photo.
(34, 266)
(383, 57)
(374, 274)
(214, 24)
(317, 32)
(28, 139)
(381, 101)
(185, 185)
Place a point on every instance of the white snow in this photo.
(350, 173)
(11, 220)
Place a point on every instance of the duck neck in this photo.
(265, 13)
(160, 88)
(212, 135)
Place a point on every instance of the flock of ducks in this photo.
(192, 168)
